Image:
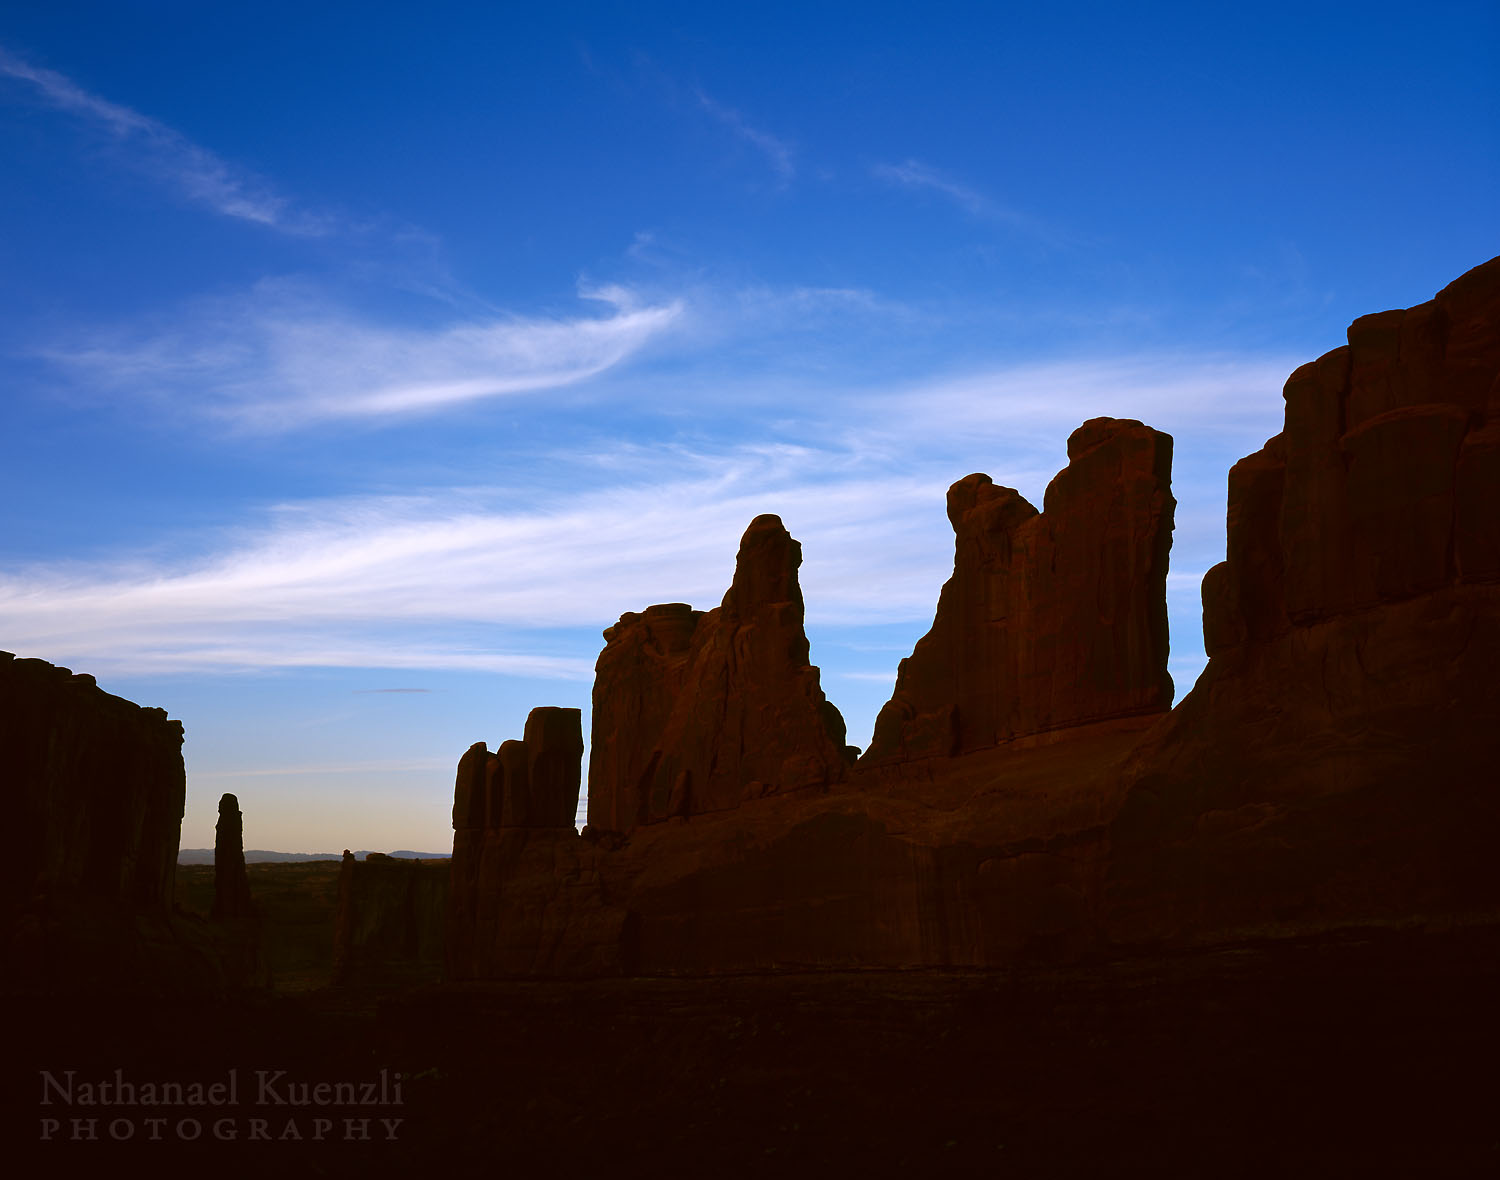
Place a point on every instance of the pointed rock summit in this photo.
(697, 711)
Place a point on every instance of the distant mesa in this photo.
(205, 856)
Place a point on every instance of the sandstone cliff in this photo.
(1337, 758)
(696, 712)
(1027, 796)
(523, 894)
(1051, 619)
(96, 797)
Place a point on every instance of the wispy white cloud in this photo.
(1171, 391)
(777, 151)
(467, 577)
(404, 583)
(285, 356)
(167, 155)
(916, 175)
(409, 582)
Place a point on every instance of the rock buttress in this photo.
(523, 897)
(697, 711)
(96, 794)
(1336, 759)
(1050, 619)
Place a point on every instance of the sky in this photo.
(359, 363)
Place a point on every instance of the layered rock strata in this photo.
(698, 711)
(1053, 618)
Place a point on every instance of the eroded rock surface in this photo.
(1050, 619)
(524, 896)
(1337, 759)
(698, 711)
(1027, 797)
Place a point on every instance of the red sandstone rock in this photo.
(1334, 766)
(516, 853)
(1050, 619)
(696, 712)
(1336, 760)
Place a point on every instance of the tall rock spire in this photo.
(695, 711)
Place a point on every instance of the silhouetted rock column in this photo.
(696, 712)
(520, 898)
(343, 921)
(231, 882)
(1050, 619)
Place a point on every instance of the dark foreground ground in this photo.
(1375, 1054)
(296, 902)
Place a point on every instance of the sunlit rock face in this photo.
(696, 712)
(1050, 619)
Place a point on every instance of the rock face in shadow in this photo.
(96, 793)
(98, 788)
(231, 882)
(698, 711)
(1027, 797)
(1050, 619)
(1337, 758)
(524, 896)
(389, 919)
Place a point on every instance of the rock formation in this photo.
(697, 711)
(523, 897)
(1051, 619)
(389, 919)
(231, 882)
(98, 788)
(1337, 757)
(96, 797)
(1026, 795)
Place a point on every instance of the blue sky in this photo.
(360, 363)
